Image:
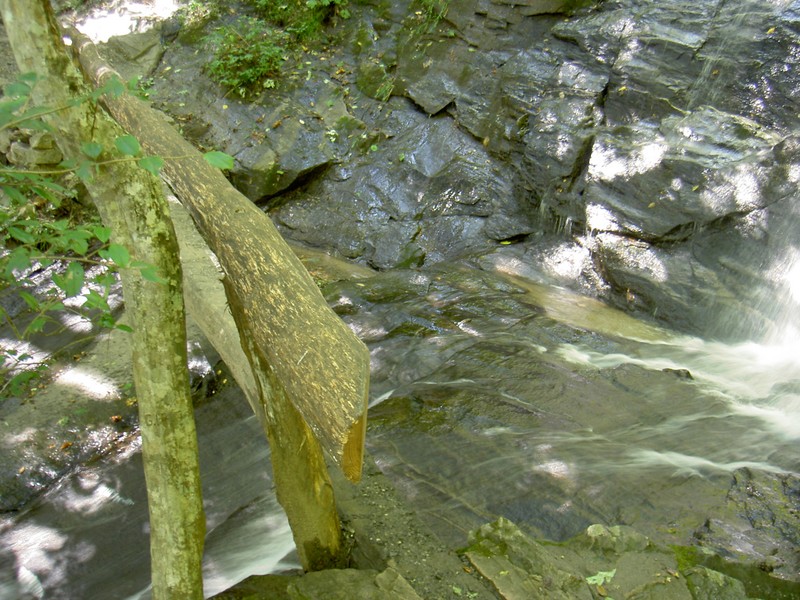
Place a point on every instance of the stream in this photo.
(611, 337)
(492, 396)
(557, 412)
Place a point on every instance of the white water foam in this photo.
(756, 380)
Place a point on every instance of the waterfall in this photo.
(731, 26)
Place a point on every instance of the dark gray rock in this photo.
(649, 137)
(295, 147)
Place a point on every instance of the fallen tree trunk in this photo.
(306, 495)
(206, 302)
(310, 370)
(320, 362)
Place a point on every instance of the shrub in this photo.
(248, 56)
(434, 10)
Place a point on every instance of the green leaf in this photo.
(32, 302)
(106, 280)
(74, 278)
(128, 145)
(29, 77)
(19, 382)
(34, 124)
(79, 233)
(151, 164)
(95, 300)
(18, 260)
(21, 235)
(101, 233)
(71, 282)
(78, 245)
(60, 225)
(52, 185)
(37, 324)
(150, 273)
(14, 194)
(8, 107)
(92, 149)
(124, 328)
(45, 194)
(133, 83)
(106, 320)
(16, 89)
(113, 88)
(219, 159)
(85, 171)
(119, 255)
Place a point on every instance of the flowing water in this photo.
(88, 536)
(526, 401)
(493, 395)
(662, 411)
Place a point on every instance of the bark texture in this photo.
(206, 302)
(300, 473)
(132, 204)
(322, 366)
(310, 370)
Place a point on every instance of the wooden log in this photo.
(301, 482)
(206, 302)
(321, 365)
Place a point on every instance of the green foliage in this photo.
(303, 19)
(219, 159)
(434, 10)
(197, 12)
(42, 226)
(128, 145)
(248, 56)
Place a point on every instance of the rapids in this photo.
(655, 167)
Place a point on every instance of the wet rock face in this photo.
(641, 139)
(479, 408)
(650, 144)
(655, 140)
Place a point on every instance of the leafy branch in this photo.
(40, 230)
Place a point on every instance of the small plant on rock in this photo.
(198, 12)
(435, 10)
(248, 57)
(303, 19)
